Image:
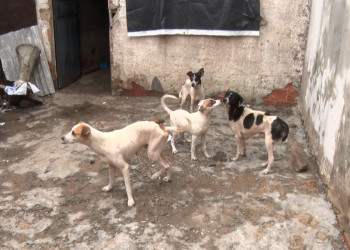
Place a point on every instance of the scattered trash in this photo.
(169, 138)
(21, 88)
(2, 123)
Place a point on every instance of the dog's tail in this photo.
(162, 101)
(183, 128)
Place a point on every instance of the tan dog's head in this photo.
(79, 133)
(208, 105)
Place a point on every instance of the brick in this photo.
(290, 86)
(291, 97)
(269, 103)
(252, 101)
(138, 90)
(278, 95)
(219, 96)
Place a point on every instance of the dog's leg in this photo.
(165, 164)
(183, 99)
(126, 174)
(204, 146)
(240, 143)
(111, 179)
(270, 159)
(243, 149)
(174, 150)
(193, 147)
(192, 104)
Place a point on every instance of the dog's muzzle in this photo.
(63, 139)
(193, 85)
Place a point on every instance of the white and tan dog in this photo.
(192, 87)
(200, 122)
(246, 122)
(120, 145)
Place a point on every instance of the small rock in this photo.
(297, 157)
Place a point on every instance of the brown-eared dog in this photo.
(119, 146)
(200, 122)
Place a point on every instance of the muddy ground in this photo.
(51, 192)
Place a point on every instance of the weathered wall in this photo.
(253, 66)
(45, 24)
(325, 94)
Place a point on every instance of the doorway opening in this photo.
(81, 39)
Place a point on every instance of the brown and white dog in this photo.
(193, 87)
(247, 122)
(199, 120)
(120, 145)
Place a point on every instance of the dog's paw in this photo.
(155, 176)
(208, 156)
(193, 158)
(265, 171)
(174, 151)
(166, 179)
(235, 158)
(106, 189)
(131, 202)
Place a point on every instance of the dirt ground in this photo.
(51, 192)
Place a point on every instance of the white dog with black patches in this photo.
(120, 145)
(192, 87)
(247, 122)
(200, 122)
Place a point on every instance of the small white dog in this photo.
(199, 120)
(246, 122)
(193, 87)
(120, 145)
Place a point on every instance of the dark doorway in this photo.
(81, 38)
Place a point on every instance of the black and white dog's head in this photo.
(232, 99)
(196, 77)
(233, 103)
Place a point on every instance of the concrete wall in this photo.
(253, 66)
(45, 23)
(324, 97)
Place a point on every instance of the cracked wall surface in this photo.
(325, 94)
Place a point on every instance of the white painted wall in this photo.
(325, 93)
(252, 66)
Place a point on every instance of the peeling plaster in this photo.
(327, 114)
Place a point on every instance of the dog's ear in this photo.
(241, 100)
(85, 131)
(201, 106)
(82, 129)
(201, 72)
(158, 120)
(189, 73)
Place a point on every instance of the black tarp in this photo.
(193, 17)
